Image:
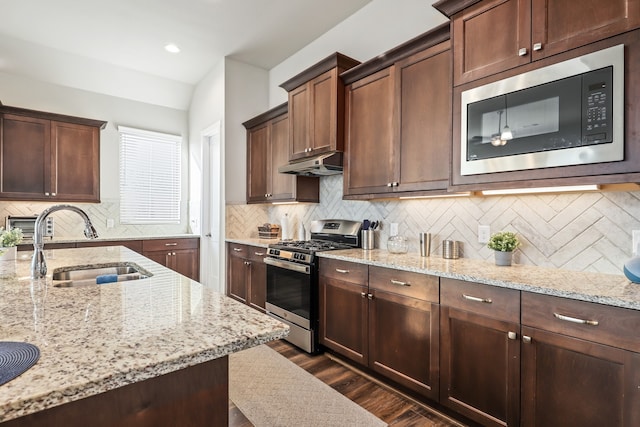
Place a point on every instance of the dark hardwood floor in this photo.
(393, 408)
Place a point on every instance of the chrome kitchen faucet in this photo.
(38, 263)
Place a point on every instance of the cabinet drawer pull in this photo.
(575, 320)
(171, 244)
(258, 253)
(399, 283)
(522, 51)
(341, 271)
(476, 299)
(237, 250)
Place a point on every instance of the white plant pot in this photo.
(503, 258)
(8, 254)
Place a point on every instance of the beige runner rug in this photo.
(271, 391)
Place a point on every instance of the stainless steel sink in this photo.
(72, 276)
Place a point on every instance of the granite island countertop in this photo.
(101, 337)
(609, 289)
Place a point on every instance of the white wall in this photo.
(24, 92)
(379, 26)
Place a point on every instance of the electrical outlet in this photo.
(393, 229)
(484, 233)
(110, 223)
(635, 250)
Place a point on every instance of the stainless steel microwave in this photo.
(28, 224)
(569, 113)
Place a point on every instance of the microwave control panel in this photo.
(597, 99)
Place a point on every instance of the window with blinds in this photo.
(149, 177)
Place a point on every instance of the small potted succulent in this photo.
(8, 241)
(503, 243)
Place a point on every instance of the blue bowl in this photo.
(632, 269)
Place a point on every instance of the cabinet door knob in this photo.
(537, 46)
(389, 184)
(512, 335)
(370, 296)
(363, 294)
(46, 194)
(523, 51)
(526, 339)
(53, 194)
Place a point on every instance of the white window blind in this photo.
(149, 177)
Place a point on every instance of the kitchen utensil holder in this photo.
(368, 239)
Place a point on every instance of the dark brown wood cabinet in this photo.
(364, 314)
(180, 255)
(268, 148)
(247, 275)
(580, 363)
(47, 156)
(344, 308)
(480, 352)
(404, 328)
(398, 122)
(491, 36)
(316, 108)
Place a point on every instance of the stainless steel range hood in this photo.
(323, 164)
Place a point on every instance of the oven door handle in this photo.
(287, 265)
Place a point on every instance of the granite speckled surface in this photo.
(99, 337)
(609, 289)
(263, 243)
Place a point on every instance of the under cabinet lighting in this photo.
(285, 203)
(570, 188)
(441, 196)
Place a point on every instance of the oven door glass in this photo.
(290, 290)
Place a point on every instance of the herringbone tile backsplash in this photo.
(68, 225)
(574, 231)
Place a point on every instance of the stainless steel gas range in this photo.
(292, 277)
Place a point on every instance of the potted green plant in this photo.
(8, 241)
(504, 243)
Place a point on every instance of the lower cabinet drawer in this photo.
(614, 326)
(491, 301)
(169, 244)
(406, 283)
(345, 271)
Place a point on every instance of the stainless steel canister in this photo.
(450, 249)
(425, 244)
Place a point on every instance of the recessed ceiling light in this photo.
(172, 47)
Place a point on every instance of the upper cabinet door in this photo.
(370, 120)
(560, 25)
(258, 159)
(490, 37)
(282, 184)
(79, 146)
(324, 110)
(26, 154)
(299, 122)
(425, 91)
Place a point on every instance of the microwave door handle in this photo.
(300, 268)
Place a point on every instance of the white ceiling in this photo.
(43, 38)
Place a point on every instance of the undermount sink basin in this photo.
(66, 277)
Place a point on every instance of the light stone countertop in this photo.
(100, 337)
(262, 243)
(610, 289)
